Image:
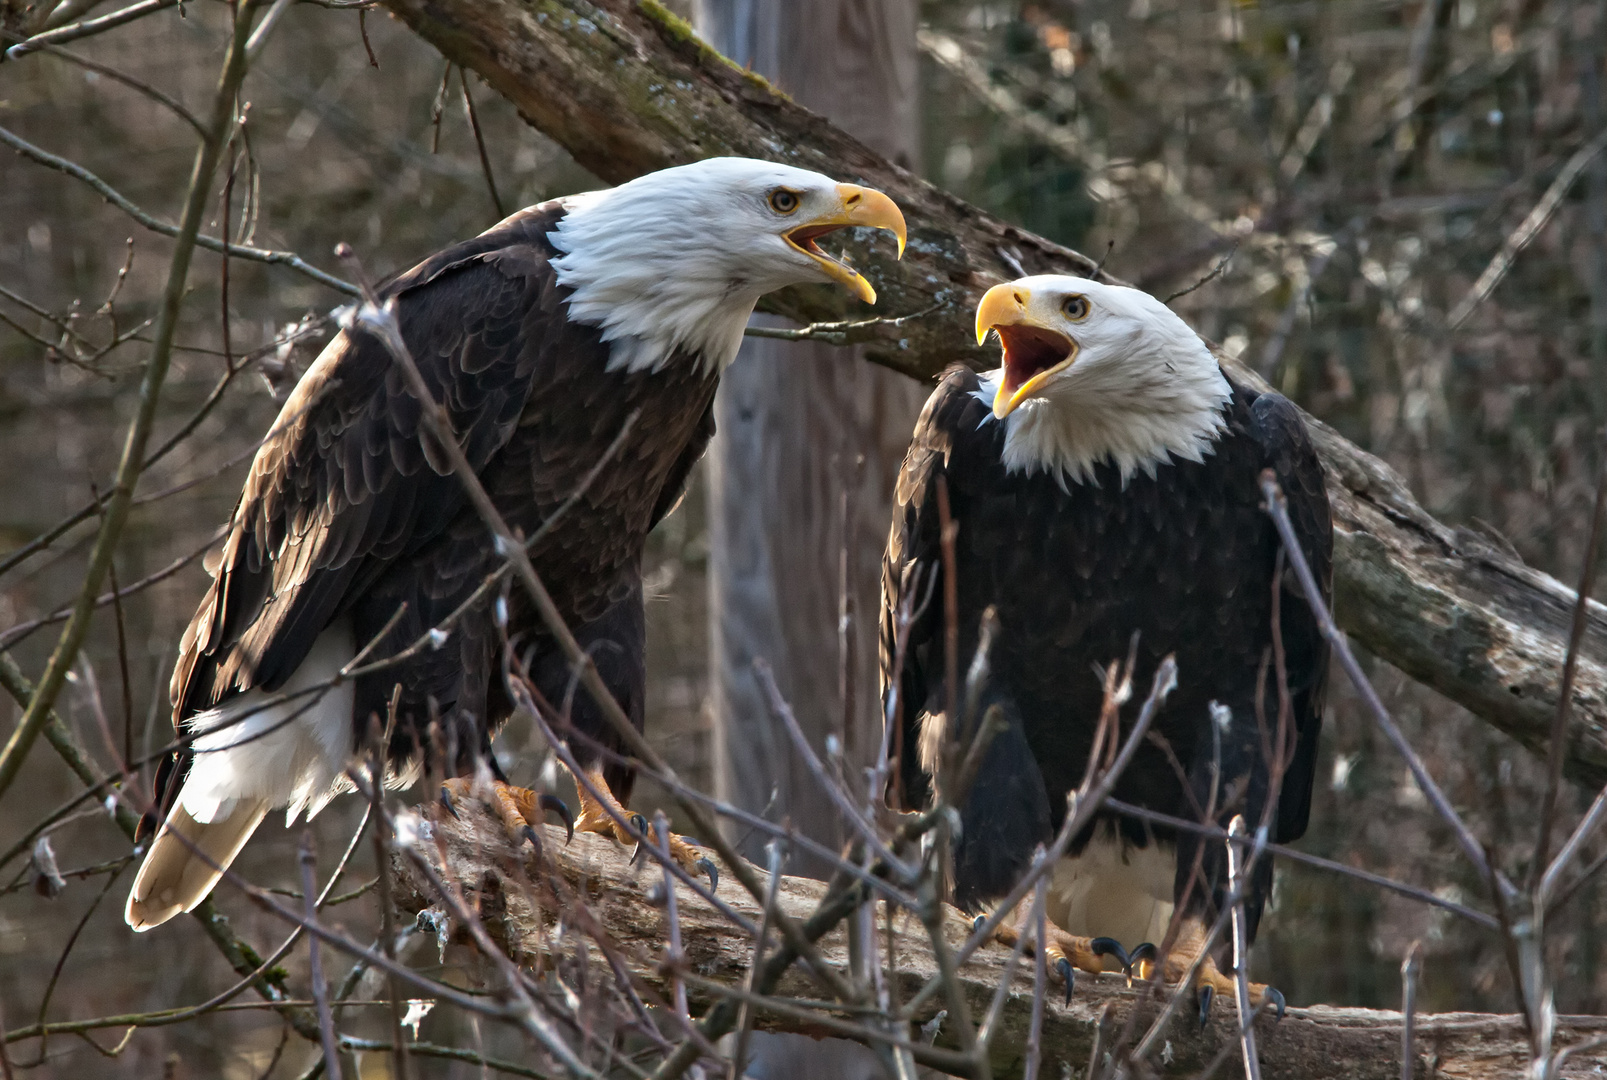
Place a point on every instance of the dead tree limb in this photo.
(626, 88)
(525, 920)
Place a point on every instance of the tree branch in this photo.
(522, 914)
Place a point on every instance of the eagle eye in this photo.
(784, 201)
(1076, 307)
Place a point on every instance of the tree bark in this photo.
(627, 88)
(808, 447)
(1315, 1043)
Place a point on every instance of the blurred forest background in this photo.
(1342, 171)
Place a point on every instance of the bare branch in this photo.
(88, 28)
(194, 237)
(1526, 231)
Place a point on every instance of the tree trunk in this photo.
(1318, 1043)
(627, 88)
(809, 444)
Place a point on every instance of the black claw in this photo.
(1064, 968)
(976, 923)
(639, 823)
(1272, 996)
(446, 801)
(529, 833)
(552, 804)
(706, 864)
(1104, 946)
(1205, 1005)
(1146, 951)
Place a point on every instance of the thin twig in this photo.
(1214, 273)
(845, 806)
(1565, 690)
(168, 102)
(196, 239)
(83, 513)
(1081, 806)
(87, 28)
(479, 143)
(1040, 978)
(1241, 952)
(112, 596)
(677, 958)
(1409, 972)
(315, 974)
(438, 108)
(1278, 508)
(1526, 231)
(835, 333)
(1489, 922)
(745, 1014)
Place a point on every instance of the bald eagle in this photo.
(541, 337)
(1105, 486)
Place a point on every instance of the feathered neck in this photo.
(626, 257)
(1136, 417)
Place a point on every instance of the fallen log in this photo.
(627, 88)
(529, 904)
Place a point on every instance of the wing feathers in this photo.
(339, 490)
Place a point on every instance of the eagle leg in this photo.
(1066, 953)
(603, 815)
(1209, 981)
(519, 809)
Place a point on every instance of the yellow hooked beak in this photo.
(1033, 354)
(857, 206)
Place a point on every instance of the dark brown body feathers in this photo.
(347, 514)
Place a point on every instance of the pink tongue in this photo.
(1028, 351)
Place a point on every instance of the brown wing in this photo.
(951, 417)
(343, 488)
(1287, 450)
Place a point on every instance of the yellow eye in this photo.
(1075, 307)
(783, 201)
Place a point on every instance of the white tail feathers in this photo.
(176, 875)
(255, 752)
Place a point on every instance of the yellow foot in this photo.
(1209, 981)
(603, 815)
(1065, 953)
(519, 809)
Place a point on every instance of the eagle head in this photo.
(1097, 372)
(676, 259)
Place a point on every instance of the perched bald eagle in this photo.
(1105, 484)
(540, 337)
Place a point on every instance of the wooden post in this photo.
(809, 444)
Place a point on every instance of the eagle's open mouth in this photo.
(803, 238)
(856, 206)
(1031, 355)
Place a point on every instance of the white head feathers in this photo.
(676, 259)
(1132, 385)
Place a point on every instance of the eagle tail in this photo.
(177, 875)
